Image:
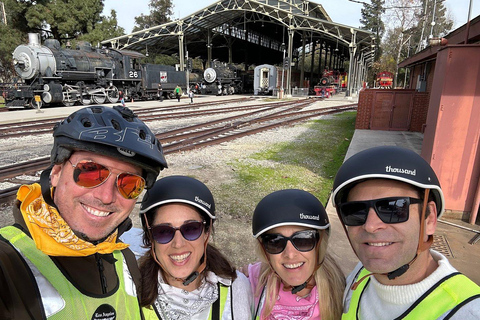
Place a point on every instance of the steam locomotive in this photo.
(85, 75)
(222, 79)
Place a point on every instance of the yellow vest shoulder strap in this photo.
(60, 298)
(448, 293)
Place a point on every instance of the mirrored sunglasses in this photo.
(303, 241)
(389, 210)
(164, 233)
(89, 174)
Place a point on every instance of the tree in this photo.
(432, 11)
(160, 13)
(64, 19)
(107, 28)
(372, 20)
(11, 38)
(402, 17)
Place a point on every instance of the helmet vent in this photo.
(97, 110)
(126, 113)
(142, 134)
(116, 125)
(86, 123)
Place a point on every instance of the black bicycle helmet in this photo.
(183, 189)
(116, 132)
(286, 208)
(387, 162)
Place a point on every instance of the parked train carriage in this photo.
(221, 79)
(385, 80)
(268, 78)
(166, 75)
(264, 79)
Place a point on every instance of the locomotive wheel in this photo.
(99, 97)
(112, 94)
(33, 104)
(85, 99)
(69, 96)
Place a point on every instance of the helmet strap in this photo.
(422, 246)
(45, 186)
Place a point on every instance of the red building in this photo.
(442, 100)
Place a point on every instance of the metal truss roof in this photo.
(232, 18)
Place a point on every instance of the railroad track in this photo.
(37, 127)
(198, 136)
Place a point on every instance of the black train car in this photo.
(85, 75)
(221, 79)
(166, 75)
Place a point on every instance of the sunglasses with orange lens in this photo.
(89, 174)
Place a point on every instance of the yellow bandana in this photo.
(51, 233)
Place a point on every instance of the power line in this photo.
(387, 8)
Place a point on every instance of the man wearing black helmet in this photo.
(388, 200)
(62, 258)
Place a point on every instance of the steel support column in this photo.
(291, 33)
(302, 67)
(312, 60)
(352, 50)
(181, 51)
(320, 73)
(209, 48)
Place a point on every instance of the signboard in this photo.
(163, 76)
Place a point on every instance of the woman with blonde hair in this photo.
(296, 278)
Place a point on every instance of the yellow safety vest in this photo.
(448, 293)
(61, 300)
(151, 313)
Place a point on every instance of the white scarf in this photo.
(178, 304)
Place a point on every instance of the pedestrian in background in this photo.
(178, 92)
(190, 95)
(121, 97)
(160, 92)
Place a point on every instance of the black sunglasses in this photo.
(303, 241)
(164, 233)
(389, 210)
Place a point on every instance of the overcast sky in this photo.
(340, 11)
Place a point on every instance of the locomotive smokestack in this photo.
(34, 39)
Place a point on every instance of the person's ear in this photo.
(55, 174)
(431, 220)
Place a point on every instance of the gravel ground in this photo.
(212, 165)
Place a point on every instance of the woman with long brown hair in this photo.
(183, 276)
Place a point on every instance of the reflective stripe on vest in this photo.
(153, 314)
(444, 296)
(61, 300)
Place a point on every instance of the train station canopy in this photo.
(250, 31)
